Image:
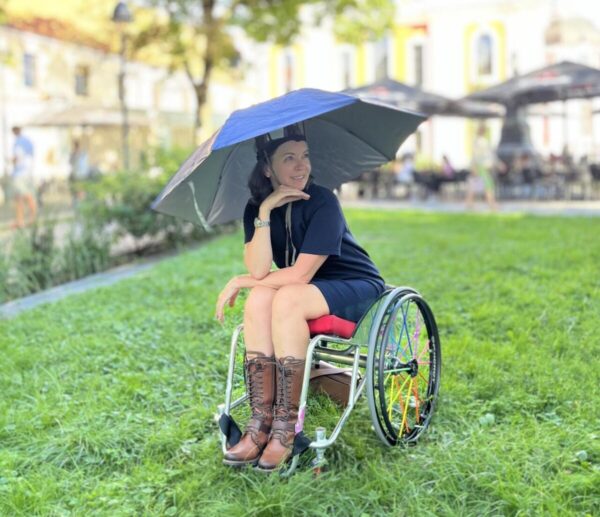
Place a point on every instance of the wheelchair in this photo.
(394, 354)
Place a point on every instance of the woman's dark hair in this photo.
(259, 185)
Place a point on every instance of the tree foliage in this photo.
(196, 35)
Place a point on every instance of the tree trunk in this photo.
(201, 86)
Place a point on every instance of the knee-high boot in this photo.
(290, 374)
(260, 384)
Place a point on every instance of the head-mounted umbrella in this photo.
(346, 136)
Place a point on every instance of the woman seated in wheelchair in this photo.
(322, 270)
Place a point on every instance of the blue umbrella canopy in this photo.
(346, 136)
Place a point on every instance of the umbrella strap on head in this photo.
(288, 237)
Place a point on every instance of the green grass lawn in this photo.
(107, 398)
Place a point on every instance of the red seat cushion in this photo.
(331, 325)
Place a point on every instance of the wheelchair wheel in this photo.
(403, 368)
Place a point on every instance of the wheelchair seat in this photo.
(332, 325)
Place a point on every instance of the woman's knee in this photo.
(259, 300)
(288, 302)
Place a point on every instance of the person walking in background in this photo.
(22, 178)
(481, 170)
(447, 169)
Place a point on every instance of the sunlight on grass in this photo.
(108, 396)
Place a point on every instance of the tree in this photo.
(195, 35)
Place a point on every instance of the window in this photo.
(82, 74)
(29, 72)
(381, 59)
(484, 55)
(418, 64)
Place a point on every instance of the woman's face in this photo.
(290, 164)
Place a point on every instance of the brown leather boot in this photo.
(260, 383)
(290, 374)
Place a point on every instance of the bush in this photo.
(32, 261)
(124, 198)
(36, 262)
(85, 253)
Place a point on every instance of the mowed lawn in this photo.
(107, 398)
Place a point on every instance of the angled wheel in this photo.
(403, 368)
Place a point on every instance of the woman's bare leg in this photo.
(257, 321)
(293, 305)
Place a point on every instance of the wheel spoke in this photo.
(403, 328)
(398, 395)
(404, 422)
(417, 405)
(426, 348)
(417, 334)
(426, 381)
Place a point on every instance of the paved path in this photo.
(557, 208)
(15, 307)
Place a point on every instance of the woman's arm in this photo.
(302, 272)
(258, 253)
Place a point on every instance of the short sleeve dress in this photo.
(348, 279)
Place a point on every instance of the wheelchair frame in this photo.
(385, 309)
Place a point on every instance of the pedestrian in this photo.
(22, 178)
(322, 270)
(448, 170)
(482, 165)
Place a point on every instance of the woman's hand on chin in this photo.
(282, 195)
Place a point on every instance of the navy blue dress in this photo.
(348, 279)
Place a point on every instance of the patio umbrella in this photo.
(561, 81)
(399, 94)
(402, 95)
(346, 137)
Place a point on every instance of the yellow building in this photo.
(452, 48)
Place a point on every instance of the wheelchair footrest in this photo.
(230, 429)
(301, 443)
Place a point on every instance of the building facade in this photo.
(60, 91)
(453, 48)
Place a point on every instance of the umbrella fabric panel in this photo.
(191, 197)
(280, 112)
(188, 166)
(381, 127)
(338, 157)
(232, 192)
